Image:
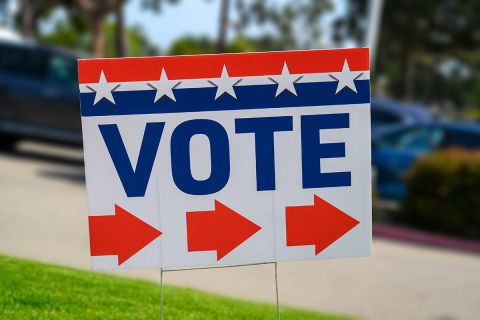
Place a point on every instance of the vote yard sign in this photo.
(230, 159)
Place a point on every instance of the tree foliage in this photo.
(75, 34)
(205, 45)
(418, 41)
(293, 24)
(157, 5)
(31, 12)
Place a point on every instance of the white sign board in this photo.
(232, 159)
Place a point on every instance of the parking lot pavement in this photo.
(43, 217)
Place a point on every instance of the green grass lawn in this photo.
(31, 290)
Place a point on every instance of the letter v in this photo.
(134, 181)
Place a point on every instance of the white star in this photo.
(225, 84)
(285, 81)
(346, 78)
(103, 89)
(164, 86)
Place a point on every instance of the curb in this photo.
(424, 238)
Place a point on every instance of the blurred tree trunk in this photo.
(120, 36)
(28, 19)
(223, 25)
(98, 37)
(409, 64)
(97, 12)
(28, 23)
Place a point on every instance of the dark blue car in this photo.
(394, 152)
(39, 94)
(387, 113)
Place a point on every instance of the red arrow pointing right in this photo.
(321, 224)
(220, 230)
(121, 234)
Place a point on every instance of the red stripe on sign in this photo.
(210, 66)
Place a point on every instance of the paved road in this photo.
(43, 217)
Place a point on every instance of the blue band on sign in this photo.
(203, 99)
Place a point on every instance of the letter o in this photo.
(219, 155)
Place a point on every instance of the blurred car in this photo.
(39, 91)
(395, 151)
(388, 113)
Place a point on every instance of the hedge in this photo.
(443, 194)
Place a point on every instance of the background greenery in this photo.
(444, 194)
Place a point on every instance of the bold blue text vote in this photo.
(135, 180)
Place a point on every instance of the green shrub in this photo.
(443, 194)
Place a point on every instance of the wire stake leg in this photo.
(276, 291)
(161, 294)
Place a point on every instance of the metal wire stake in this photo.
(276, 291)
(161, 294)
